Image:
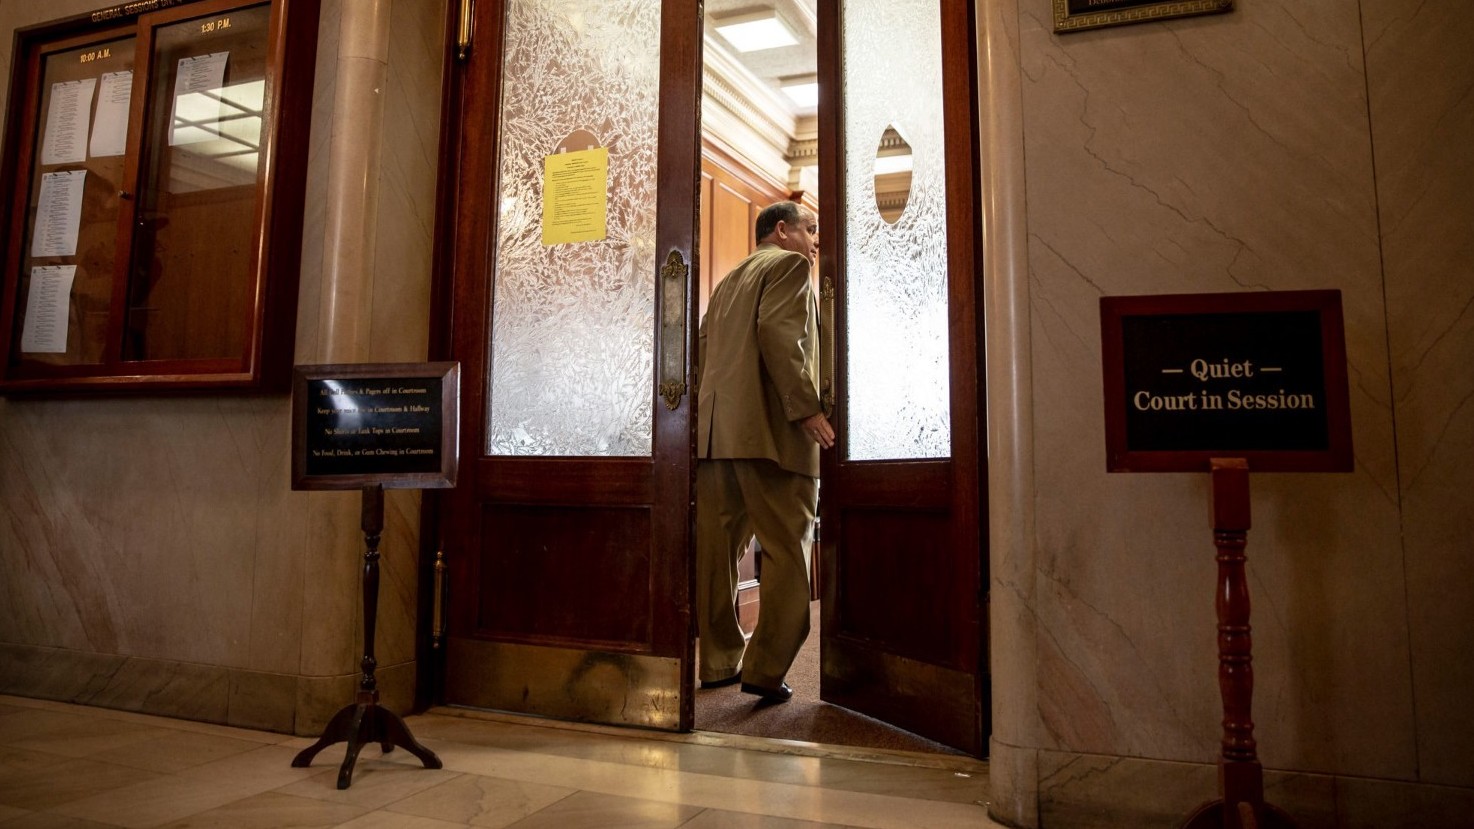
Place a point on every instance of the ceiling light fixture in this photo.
(754, 31)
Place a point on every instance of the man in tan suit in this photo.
(760, 424)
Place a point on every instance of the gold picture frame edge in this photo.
(1161, 10)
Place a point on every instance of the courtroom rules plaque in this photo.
(393, 424)
(1259, 376)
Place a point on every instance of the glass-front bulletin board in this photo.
(154, 168)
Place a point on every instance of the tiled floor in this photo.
(74, 767)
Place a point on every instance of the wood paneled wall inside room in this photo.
(731, 197)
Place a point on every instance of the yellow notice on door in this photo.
(576, 196)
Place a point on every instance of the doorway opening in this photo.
(761, 144)
(805, 718)
(571, 256)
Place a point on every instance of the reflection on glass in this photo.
(216, 133)
(573, 323)
(896, 268)
(221, 127)
(194, 252)
(892, 175)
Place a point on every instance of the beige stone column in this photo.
(353, 179)
(1013, 760)
(331, 621)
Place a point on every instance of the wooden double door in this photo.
(570, 262)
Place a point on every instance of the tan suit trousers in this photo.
(735, 500)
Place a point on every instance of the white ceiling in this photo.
(771, 66)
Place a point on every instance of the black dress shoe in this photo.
(721, 683)
(782, 693)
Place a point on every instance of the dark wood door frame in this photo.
(429, 626)
(950, 489)
(959, 89)
(465, 233)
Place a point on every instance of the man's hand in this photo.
(817, 427)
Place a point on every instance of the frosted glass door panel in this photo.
(573, 322)
(895, 273)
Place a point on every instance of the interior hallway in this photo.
(805, 717)
(75, 767)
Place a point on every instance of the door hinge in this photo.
(437, 612)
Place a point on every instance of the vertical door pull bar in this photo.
(437, 614)
(673, 278)
(826, 352)
(464, 26)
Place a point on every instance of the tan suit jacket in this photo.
(758, 364)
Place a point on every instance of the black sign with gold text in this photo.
(1258, 375)
(387, 424)
(382, 426)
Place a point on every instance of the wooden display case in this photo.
(154, 165)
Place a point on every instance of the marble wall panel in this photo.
(54, 673)
(400, 579)
(280, 527)
(319, 698)
(259, 700)
(1420, 70)
(61, 603)
(143, 514)
(1383, 804)
(1222, 153)
(332, 595)
(1095, 792)
(167, 687)
(1085, 791)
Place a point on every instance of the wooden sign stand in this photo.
(1240, 777)
(365, 427)
(365, 721)
(1224, 381)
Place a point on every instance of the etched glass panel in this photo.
(895, 272)
(572, 352)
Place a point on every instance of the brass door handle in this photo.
(674, 276)
(465, 26)
(437, 613)
(826, 349)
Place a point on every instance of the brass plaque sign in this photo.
(389, 424)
